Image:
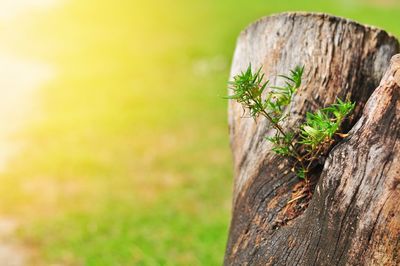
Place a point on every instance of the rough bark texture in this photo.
(353, 218)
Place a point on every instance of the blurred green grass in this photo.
(128, 163)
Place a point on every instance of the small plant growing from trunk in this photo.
(305, 145)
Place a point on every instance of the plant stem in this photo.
(280, 129)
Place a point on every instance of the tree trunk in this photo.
(353, 217)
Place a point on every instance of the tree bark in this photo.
(353, 217)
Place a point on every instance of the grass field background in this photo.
(126, 160)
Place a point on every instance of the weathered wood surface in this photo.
(353, 218)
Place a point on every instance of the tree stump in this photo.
(353, 217)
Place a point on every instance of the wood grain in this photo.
(352, 218)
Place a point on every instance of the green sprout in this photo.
(311, 140)
(323, 124)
